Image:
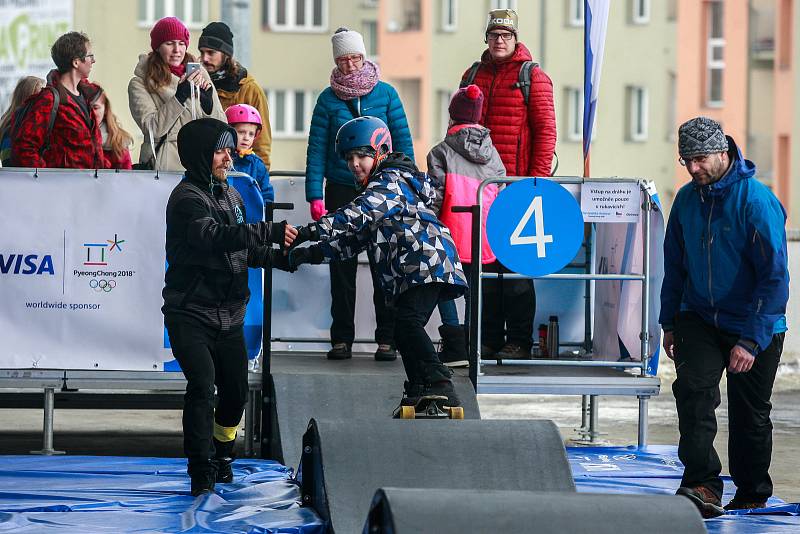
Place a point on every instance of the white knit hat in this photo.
(347, 42)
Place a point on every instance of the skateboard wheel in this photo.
(407, 412)
(456, 412)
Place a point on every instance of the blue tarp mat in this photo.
(657, 470)
(93, 494)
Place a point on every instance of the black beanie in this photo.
(217, 36)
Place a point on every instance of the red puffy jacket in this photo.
(75, 142)
(525, 139)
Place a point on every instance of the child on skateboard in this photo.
(393, 218)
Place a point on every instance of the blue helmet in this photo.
(364, 132)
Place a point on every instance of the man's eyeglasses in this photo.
(695, 159)
(89, 57)
(505, 36)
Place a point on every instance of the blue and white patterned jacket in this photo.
(394, 220)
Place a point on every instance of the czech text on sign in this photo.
(535, 227)
(611, 203)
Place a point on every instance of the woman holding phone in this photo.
(168, 90)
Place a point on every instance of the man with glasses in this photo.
(518, 110)
(723, 302)
(59, 128)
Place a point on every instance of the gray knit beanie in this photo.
(701, 136)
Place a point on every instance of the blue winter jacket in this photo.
(394, 220)
(330, 114)
(725, 255)
(254, 167)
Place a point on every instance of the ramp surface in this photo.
(446, 511)
(345, 462)
(307, 385)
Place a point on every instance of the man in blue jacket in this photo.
(723, 302)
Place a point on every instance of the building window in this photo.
(715, 54)
(193, 13)
(404, 15)
(290, 112)
(449, 15)
(637, 113)
(574, 98)
(295, 15)
(369, 30)
(786, 18)
(504, 4)
(443, 101)
(640, 11)
(672, 10)
(575, 13)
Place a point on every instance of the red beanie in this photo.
(168, 29)
(466, 105)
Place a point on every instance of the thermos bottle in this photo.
(552, 337)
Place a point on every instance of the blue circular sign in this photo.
(535, 227)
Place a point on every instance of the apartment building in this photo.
(736, 61)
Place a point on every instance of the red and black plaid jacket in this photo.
(75, 142)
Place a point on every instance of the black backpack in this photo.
(22, 112)
(523, 79)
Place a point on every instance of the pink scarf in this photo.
(178, 70)
(355, 84)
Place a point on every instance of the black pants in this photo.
(208, 357)
(413, 309)
(702, 352)
(343, 284)
(508, 309)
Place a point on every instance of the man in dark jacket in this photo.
(524, 134)
(74, 142)
(233, 83)
(723, 301)
(209, 248)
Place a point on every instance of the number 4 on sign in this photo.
(540, 239)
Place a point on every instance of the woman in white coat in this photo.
(163, 96)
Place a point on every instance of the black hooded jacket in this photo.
(209, 247)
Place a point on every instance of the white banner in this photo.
(81, 269)
(28, 28)
(611, 202)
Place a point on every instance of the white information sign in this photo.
(610, 202)
(82, 268)
(28, 28)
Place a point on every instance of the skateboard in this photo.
(429, 407)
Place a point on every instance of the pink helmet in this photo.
(243, 113)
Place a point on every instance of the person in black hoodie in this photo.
(209, 248)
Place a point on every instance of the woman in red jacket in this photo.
(523, 129)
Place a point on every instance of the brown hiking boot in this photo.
(738, 504)
(513, 351)
(707, 503)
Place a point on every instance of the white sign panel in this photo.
(28, 28)
(610, 202)
(81, 270)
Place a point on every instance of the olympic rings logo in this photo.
(102, 285)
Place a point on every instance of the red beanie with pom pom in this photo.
(466, 105)
(168, 29)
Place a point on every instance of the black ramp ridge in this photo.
(345, 462)
(309, 387)
(448, 511)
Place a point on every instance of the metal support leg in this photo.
(47, 431)
(594, 407)
(643, 421)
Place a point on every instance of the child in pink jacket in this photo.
(459, 164)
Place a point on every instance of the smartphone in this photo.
(191, 67)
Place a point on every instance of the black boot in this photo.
(411, 393)
(223, 458)
(340, 351)
(203, 479)
(443, 388)
(454, 346)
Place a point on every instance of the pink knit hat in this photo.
(466, 105)
(168, 29)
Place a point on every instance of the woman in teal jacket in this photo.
(355, 90)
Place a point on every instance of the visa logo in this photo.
(26, 264)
